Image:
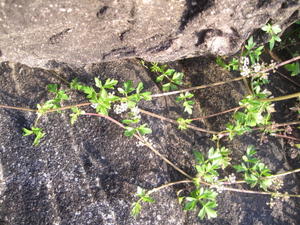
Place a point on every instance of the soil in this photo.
(88, 173)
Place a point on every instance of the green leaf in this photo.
(294, 68)
(61, 95)
(136, 209)
(129, 131)
(75, 84)
(147, 198)
(160, 78)
(128, 86)
(140, 191)
(166, 87)
(199, 157)
(38, 132)
(143, 129)
(177, 78)
(140, 87)
(110, 83)
(76, 113)
(239, 168)
(27, 132)
(190, 205)
(169, 72)
(272, 43)
(98, 82)
(156, 68)
(146, 95)
(208, 211)
(183, 123)
(52, 88)
(276, 29)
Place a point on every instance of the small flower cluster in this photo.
(277, 184)
(245, 70)
(255, 68)
(276, 198)
(231, 178)
(121, 108)
(135, 113)
(219, 187)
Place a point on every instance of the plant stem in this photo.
(69, 107)
(280, 98)
(269, 177)
(219, 113)
(284, 136)
(17, 108)
(142, 140)
(277, 125)
(224, 82)
(175, 122)
(168, 185)
(260, 192)
(164, 158)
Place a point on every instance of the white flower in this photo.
(135, 110)
(245, 61)
(231, 178)
(120, 108)
(110, 94)
(271, 109)
(266, 92)
(245, 71)
(264, 75)
(94, 105)
(256, 67)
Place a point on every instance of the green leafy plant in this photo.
(37, 132)
(171, 76)
(206, 198)
(142, 130)
(255, 172)
(273, 31)
(183, 123)
(294, 68)
(143, 197)
(232, 65)
(187, 103)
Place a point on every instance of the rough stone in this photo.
(88, 173)
(33, 32)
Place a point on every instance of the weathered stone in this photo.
(88, 173)
(82, 32)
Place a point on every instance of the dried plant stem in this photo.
(69, 107)
(277, 125)
(224, 82)
(142, 140)
(175, 122)
(281, 98)
(269, 177)
(17, 108)
(219, 113)
(260, 192)
(168, 185)
(286, 137)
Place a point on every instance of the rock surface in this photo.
(88, 173)
(33, 32)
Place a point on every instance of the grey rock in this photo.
(33, 32)
(88, 173)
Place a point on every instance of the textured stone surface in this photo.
(88, 173)
(81, 32)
